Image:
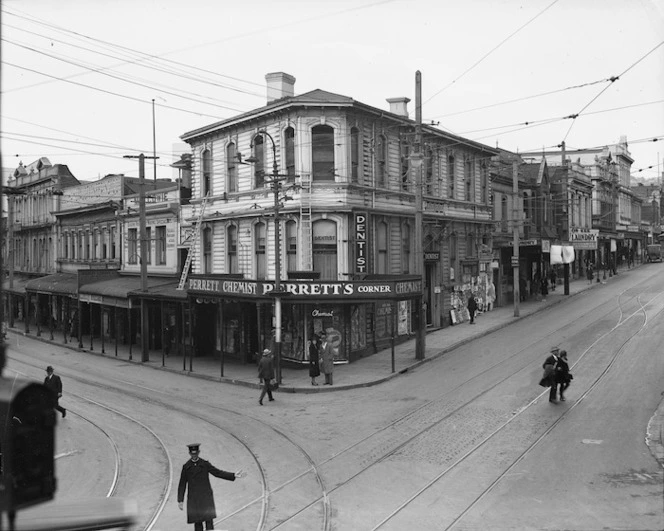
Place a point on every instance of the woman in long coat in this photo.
(314, 369)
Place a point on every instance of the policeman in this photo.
(200, 501)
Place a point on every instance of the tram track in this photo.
(386, 454)
(241, 439)
(122, 468)
(601, 311)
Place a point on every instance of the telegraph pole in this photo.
(515, 235)
(145, 355)
(416, 166)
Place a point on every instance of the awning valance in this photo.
(57, 284)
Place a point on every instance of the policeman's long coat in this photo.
(196, 477)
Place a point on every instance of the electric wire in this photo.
(492, 50)
(612, 80)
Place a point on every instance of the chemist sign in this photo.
(584, 238)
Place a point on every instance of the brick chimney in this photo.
(279, 85)
(399, 106)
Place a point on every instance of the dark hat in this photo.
(194, 447)
(563, 354)
(49, 369)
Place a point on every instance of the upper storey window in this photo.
(289, 142)
(259, 165)
(322, 153)
(450, 175)
(206, 165)
(381, 161)
(231, 167)
(355, 154)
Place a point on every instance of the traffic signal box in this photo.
(27, 471)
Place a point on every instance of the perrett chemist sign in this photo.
(308, 289)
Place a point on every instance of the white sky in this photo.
(472, 54)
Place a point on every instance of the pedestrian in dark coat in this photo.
(472, 308)
(552, 275)
(326, 357)
(265, 374)
(544, 285)
(549, 377)
(54, 383)
(314, 369)
(563, 376)
(195, 476)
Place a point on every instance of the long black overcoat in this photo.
(196, 477)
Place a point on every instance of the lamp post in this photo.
(275, 184)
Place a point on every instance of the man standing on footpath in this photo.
(200, 501)
(54, 383)
(265, 374)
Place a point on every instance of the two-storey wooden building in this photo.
(336, 175)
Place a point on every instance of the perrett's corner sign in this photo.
(370, 289)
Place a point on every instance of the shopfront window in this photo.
(329, 317)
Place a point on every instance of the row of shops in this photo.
(216, 315)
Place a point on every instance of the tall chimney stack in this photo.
(399, 105)
(279, 85)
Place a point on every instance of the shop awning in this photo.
(18, 285)
(116, 291)
(164, 292)
(57, 284)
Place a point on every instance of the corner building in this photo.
(336, 176)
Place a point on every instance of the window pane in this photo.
(322, 140)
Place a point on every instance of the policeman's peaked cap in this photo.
(194, 447)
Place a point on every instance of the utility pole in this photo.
(416, 166)
(515, 235)
(154, 142)
(143, 258)
(568, 226)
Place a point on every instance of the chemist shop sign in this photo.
(370, 289)
(585, 239)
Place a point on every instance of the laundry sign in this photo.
(584, 238)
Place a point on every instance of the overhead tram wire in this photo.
(492, 50)
(142, 55)
(612, 80)
(254, 32)
(188, 77)
(523, 98)
(114, 76)
(214, 117)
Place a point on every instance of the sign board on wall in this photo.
(360, 242)
(584, 238)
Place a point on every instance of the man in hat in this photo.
(196, 477)
(265, 374)
(549, 378)
(54, 383)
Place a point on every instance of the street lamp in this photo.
(275, 184)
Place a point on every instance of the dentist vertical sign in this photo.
(361, 248)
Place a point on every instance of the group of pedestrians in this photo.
(556, 374)
(321, 358)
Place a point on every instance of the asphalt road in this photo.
(468, 441)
